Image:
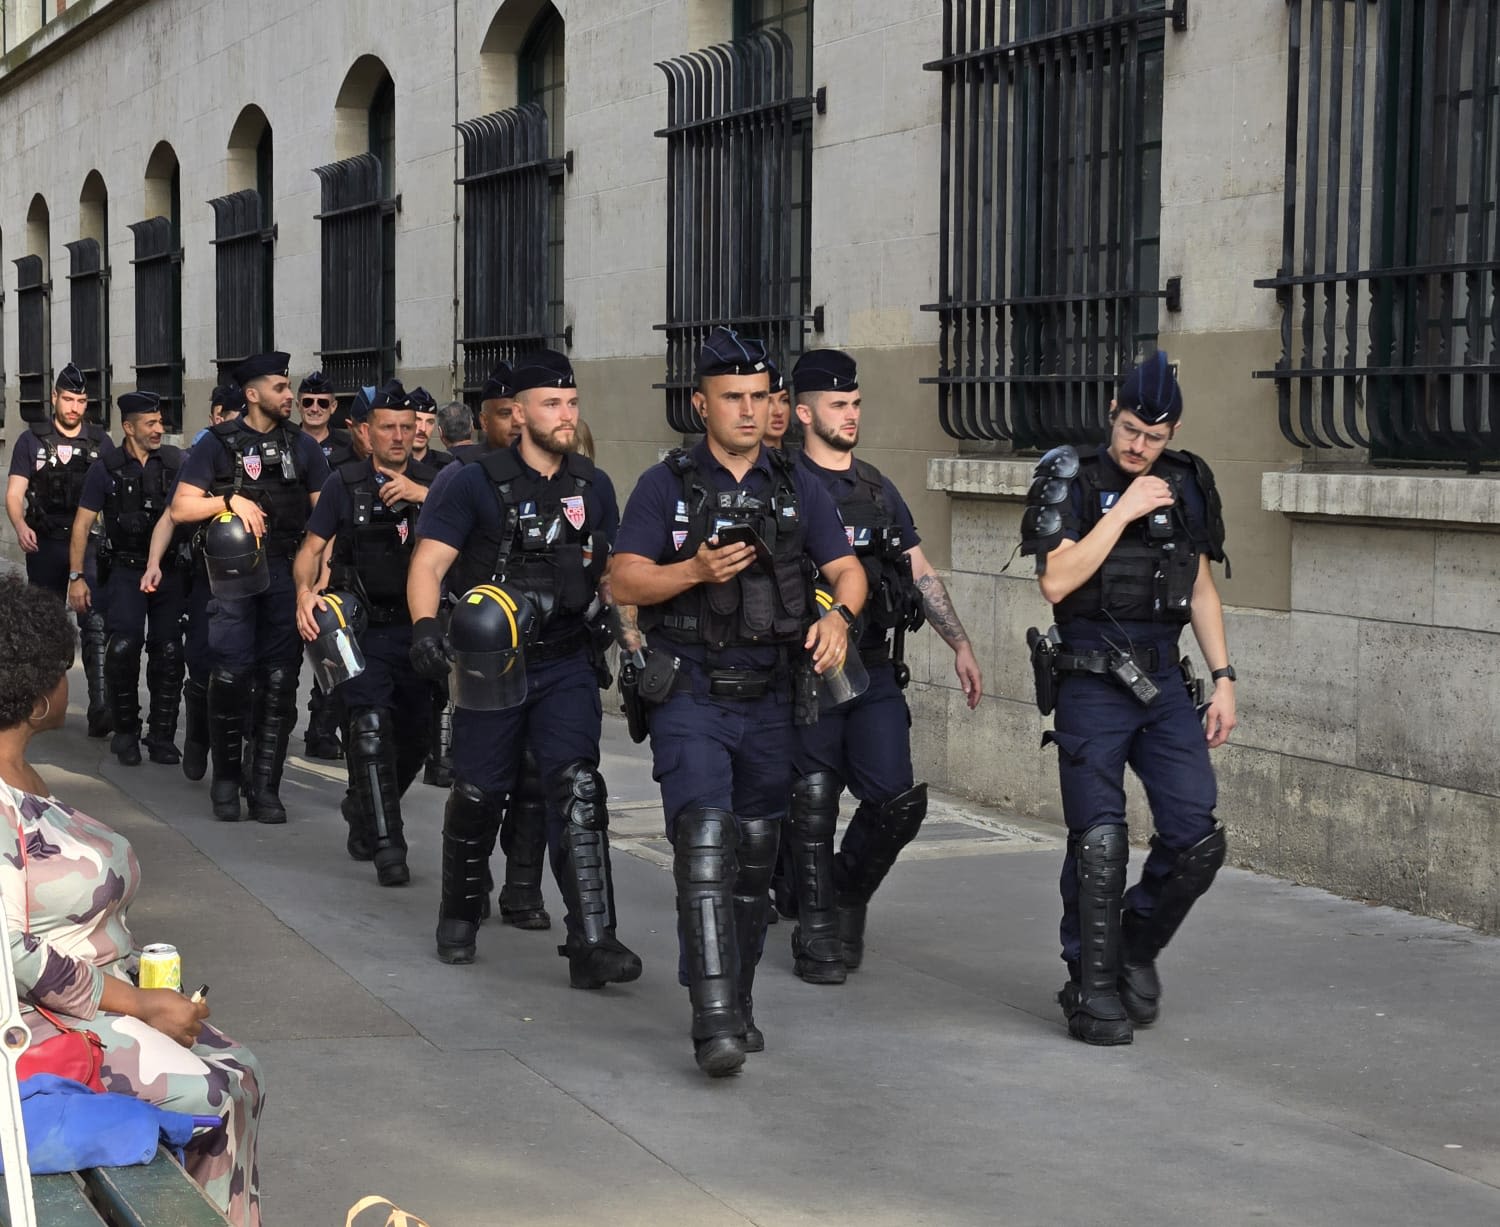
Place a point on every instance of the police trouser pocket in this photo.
(1071, 748)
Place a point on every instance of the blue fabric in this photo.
(69, 1127)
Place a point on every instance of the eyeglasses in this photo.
(322, 402)
(1134, 434)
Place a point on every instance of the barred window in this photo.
(1049, 284)
(542, 83)
(244, 264)
(33, 338)
(1390, 254)
(739, 169)
(158, 287)
(88, 282)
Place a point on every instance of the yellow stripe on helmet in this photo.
(336, 604)
(504, 600)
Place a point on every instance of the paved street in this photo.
(1319, 1061)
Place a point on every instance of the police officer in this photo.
(143, 578)
(227, 401)
(863, 744)
(779, 416)
(47, 468)
(423, 450)
(534, 519)
(262, 470)
(714, 548)
(368, 513)
(455, 426)
(1123, 538)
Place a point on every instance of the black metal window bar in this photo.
(738, 151)
(158, 315)
(1390, 255)
(88, 282)
(508, 192)
(1049, 282)
(244, 246)
(359, 335)
(33, 339)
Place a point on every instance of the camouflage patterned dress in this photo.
(66, 891)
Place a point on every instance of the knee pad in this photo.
(122, 652)
(756, 855)
(91, 626)
(470, 814)
(1196, 866)
(704, 847)
(370, 730)
(1103, 853)
(815, 804)
(579, 793)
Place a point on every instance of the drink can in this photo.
(161, 966)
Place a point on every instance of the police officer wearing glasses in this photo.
(1123, 538)
(717, 547)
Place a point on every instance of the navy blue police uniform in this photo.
(865, 743)
(254, 639)
(1135, 605)
(548, 538)
(54, 466)
(722, 738)
(132, 496)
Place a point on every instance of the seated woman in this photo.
(67, 880)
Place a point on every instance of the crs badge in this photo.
(403, 531)
(849, 532)
(64, 453)
(573, 511)
(679, 537)
(252, 467)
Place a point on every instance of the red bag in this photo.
(74, 1054)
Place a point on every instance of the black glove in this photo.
(429, 654)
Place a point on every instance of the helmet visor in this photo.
(335, 657)
(488, 681)
(241, 575)
(843, 683)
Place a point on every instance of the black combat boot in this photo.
(704, 866)
(874, 840)
(1091, 997)
(164, 673)
(92, 640)
(469, 824)
(228, 708)
(376, 795)
(596, 957)
(523, 840)
(817, 953)
(122, 677)
(275, 714)
(752, 908)
(195, 732)
(1145, 936)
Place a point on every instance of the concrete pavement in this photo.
(1319, 1061)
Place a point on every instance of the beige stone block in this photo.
(974, 596)
(876, 172)
(1196, 161)
(1258, 542)
(1258, 138)
(985, 533)
(1250, 799)
(913, 96)
(1298, 688)
(1429, 704)
(846, 280)
(1237, 31)
(1463, 873)
(853, 69)
(993, 753)
(1007, 670)
(1364, 572)
(929, 734)
(1466, 584)
(908, 278)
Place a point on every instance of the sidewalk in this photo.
(1318, 1062)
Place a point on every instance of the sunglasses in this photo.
(322, 402)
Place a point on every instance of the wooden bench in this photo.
(155, 1194)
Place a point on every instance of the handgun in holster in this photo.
(1044, 649)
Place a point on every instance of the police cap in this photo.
(544, 369)
(260, 365)
(139, 402)
(229, 396)
(825, 370)
(420, 399)
(363, 402)
(391, 396)
(500, 385)
(70, 379)
(725, 352)
(778, 376)
(1152, 392)
(317, 383)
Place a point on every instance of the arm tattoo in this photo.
(629, 627)
(938, 607)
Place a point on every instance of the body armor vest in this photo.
(1149, 575)
(548, 544)
(873, 533)
(54, 488)
(270, 477)
(374, 543)
(756, 607)
(136, 502)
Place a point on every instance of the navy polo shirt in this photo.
(28, 447)
(211, 460)
(842, 484)
(651, 516)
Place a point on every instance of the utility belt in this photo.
(570, 644)
(1052, 660)
(1149, 658)
(386, 615)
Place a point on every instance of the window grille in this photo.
(88, 282)
(33, 339)
(244, 253)
(158, 315)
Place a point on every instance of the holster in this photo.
(1044, 667)
(632, 704)
(1197, 687)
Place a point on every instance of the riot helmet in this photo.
(235, 558)
(487, 634)
(839, 684)
(335, 655)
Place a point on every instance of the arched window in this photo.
(88, 295)
(158, 286)
(244, 246)
(34, 314)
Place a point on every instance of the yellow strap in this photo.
(397, 1217)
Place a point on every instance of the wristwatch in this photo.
(74, 575)
(842, 610)
(1226, 671)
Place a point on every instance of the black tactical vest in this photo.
(894, 600)
(135, 503)
(755, 608)
(1145, 578)
(374, 542)
(53, 490)
(271, 478)
(548, 544)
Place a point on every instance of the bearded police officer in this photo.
(1123, 538)
(368, 513)
(262, 472)
(863, 744)
(143, 576)
(47, 469)
(525, 531)
(716, 548)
